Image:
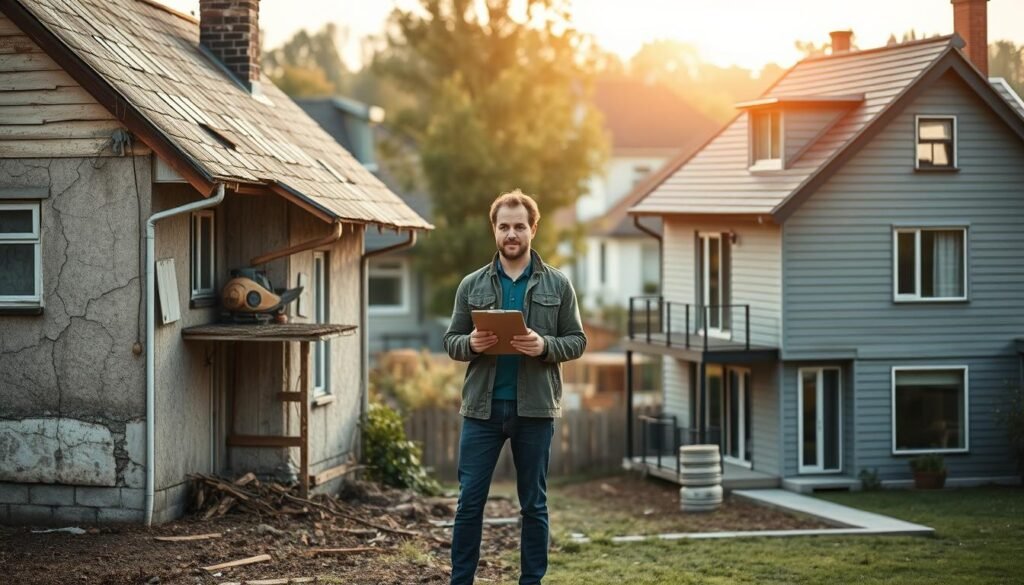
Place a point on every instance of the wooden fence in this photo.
(584, 442)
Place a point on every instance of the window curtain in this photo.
(948, 264)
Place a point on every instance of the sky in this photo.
(748, 33)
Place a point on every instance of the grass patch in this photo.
(979, 540)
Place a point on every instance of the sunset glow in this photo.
(748, 33)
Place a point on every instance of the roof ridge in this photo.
(938, 39)
(169, 10)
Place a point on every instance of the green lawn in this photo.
(979, 539)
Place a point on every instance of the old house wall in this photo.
(72, 390)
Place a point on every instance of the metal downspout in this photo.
(151, 334)
(330, 238)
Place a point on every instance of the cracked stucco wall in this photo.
(72, 392)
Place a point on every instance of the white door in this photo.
(738, 437)
(819, 424)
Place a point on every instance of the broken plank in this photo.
(342, 551)
(245, 479)
(188, 537)
(332, 473)
(239, 563)
(278, 581)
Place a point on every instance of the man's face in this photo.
(512, 232)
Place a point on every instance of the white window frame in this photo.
(705, 281)
(321, 314)
(916, 297)
(967, 412)
(36, 298)
(917, 139)
(819, 440)
(766, 164)
(405, 285)
(196, 251)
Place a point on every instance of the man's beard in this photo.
(513, 256)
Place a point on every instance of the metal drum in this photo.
(701, 477)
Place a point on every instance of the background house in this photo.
(648, 125)
(846, 252)
(122, 109)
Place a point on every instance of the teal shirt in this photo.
(506, 374)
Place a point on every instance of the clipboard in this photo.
(504, 324)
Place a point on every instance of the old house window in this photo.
(929, 409)
(321, 300)
(21, 278)
(388, 284)
(766, 140)
(203, 255)
(936, 142)
(931, 264)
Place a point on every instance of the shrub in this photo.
(409, 380)
(928, 463)
(1011, 417)
(391, 458)
(869, 480)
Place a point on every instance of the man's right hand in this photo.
(481, 340)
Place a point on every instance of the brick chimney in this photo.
(230, 30)
(841, 41)
(970, 21)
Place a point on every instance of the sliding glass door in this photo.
(819, 420)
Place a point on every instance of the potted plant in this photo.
(929, 472)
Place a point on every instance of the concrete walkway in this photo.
(848, 521)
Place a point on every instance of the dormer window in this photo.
(936, 143)
(766, 140)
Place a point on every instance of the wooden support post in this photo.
(304, 421)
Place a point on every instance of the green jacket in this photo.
(550, 309)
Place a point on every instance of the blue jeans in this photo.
(479, 447)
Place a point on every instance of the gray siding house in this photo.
(144, 157)
(842, 274)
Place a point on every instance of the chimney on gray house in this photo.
(970, 21)
(841, 41)
(230, 30)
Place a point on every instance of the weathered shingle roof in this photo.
(649, 116)
(1008, 94)
(151, 58)
(716, 180)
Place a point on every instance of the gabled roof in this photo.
(646, 116)
(143, 62)
(716, 179)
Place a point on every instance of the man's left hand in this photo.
(530, 344)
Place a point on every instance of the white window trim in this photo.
(967, 413)
(35, 299)
(816, 469)
(956, 141)
(766, 164)
(319, 307)
(405, 287)
(916, 297)
(197, 217)
(717, 332)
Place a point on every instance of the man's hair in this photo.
(515, 199)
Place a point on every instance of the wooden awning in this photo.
(267, 332)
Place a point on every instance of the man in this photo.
(513, 397)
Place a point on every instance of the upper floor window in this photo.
(203, 252)
(766, 140)
(931, 264)
(21, 275)
(936, 142)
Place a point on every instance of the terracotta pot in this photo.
(929, 480)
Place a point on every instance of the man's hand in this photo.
(530, 344)
(481, 340)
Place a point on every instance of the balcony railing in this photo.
(661, 436)
(651, 319)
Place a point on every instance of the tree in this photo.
(1005, 60)
(503, 101)
(309, 64)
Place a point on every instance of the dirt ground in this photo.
(295, 537)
